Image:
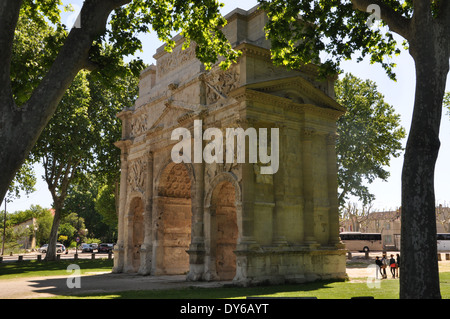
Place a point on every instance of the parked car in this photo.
(43, 248)
(94, 246)
(86, 248)
(105, 248)
(59, 248)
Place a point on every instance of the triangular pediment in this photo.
(172, 114)
(297, 89)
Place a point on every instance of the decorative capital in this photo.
(308, 133)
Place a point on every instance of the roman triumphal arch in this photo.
(192, 203)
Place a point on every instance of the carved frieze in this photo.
(220, 82)
(136, 175)
(173, 60)
(139, 124)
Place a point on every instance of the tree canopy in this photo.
(29, 96)
(78, 141)
(369, 136)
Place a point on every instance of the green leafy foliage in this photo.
(369, 136)
(105, 204)
(300, 31)
(81, 199)
(198, 20)
(72, 226)
(446, 101)
(43, 224)
(35, 46)
(35, 211)
(24, 181)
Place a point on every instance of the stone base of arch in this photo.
(284, 226)
(288, 265)
(275, 265)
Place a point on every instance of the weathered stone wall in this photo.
(224, 221)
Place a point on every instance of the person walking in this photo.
(392, 265)
(383, 266)
(397, 268)
(379, 266)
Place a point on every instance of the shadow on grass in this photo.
(269, 291)
(126, 286)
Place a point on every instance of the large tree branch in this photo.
(422, 12)
(73, 57)
(444, 17)
(396, 22)
(9, 15)
(69, 174)
(21, 127)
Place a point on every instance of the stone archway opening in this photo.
(137, 210)
(224, 205)
(174, 220)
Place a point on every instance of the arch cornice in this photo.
(221, 178)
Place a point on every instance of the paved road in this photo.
(41, 287)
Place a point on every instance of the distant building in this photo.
(388, 224)
(27, 233)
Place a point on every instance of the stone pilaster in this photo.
(247, 238)
(197, 247)
(119, 247)
(157, 235)
(147, 246)
(128, 243)
(333, 214)
(279, 189)
(308, 187)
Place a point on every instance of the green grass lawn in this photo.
(388, 289)
(33, 268)
(320, 290)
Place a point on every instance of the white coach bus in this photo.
(443, 242)
(356, 241)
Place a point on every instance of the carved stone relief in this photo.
(139, 124)
(136, 175)
(177, 58)
(176, 183)
(219, 83)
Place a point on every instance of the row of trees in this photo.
(84, 216)
(11, 234)
(76, 147)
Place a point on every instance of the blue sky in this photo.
(399, 94)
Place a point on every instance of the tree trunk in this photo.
(20, 127)
(51, 249)
(9, 14)
(420, 274)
